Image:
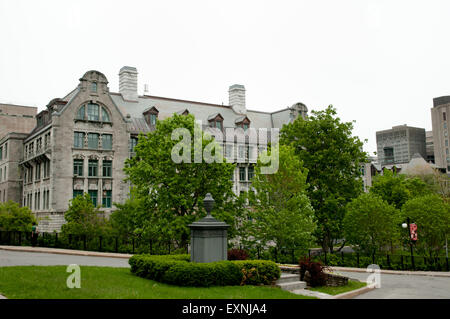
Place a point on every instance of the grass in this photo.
(49, 282)
(352, 285)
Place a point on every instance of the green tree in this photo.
(332, 156)
(280, 211)
(83, 218)
(397, 189)
(15, 218)
(173, 192)
(432, 217)
(371, 223)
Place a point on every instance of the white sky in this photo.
(379, 62)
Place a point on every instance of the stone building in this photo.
(16, 118)
(439, 122)
(81, 141)
(399, 144)
(16, 121)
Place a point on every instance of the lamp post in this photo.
(411, 241)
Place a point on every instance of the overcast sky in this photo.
(379, 63)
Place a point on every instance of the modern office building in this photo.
(429, 144)
(398, 144)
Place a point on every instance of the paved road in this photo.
(16, 258)
(405, 287)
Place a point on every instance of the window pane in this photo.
(133, 143)
(93, 168)
(77, 193)
(153, 119)
(78, 140)
(78, 167)
(250, 172)
(107, 166)
(94, 87)
(93, 112)
(93, 195)
(106, 201)
(105, 115)
(242, 173)
(93, 140)
(80, 113)
(107, 141)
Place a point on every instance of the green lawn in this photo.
(49, 282)
(352, 285)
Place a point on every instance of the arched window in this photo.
(80, 113)
(105, 115)
(93, 112)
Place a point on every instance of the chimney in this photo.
(237, 98)
(128, 83)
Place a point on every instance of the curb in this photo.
(396, 272)
(354, 293)
(444, 274)
(64, 251)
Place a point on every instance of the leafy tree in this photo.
(15, 218)
(172, 192)
(332, 156)
(371, 223)
(280, 209)
(432, 217)
(83, 218)
(397, 189)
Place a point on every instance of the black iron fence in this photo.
(397, 261)
(130, 244)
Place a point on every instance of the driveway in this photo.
(405, 286)
(18, 258)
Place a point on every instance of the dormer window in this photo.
(151, 115)
(94, 87)
(243, 122)
(216, 120)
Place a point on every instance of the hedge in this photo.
(178, 270)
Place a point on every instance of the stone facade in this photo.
(16, 118)
(81, 141)
(10, 173)
(439, 122)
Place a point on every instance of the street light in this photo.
(411, 240)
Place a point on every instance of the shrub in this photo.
(221, 273)
(177, 270)
(15, 218)
(317, 277)
(258, 272)
(237, 254)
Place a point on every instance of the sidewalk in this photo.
(64, 251)
(382, 271)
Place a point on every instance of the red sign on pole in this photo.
(413, 230)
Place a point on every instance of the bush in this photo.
(177, 270)
(317, 276)
(258, 272)
(221, 273)
(237, 254)
(15, 218)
